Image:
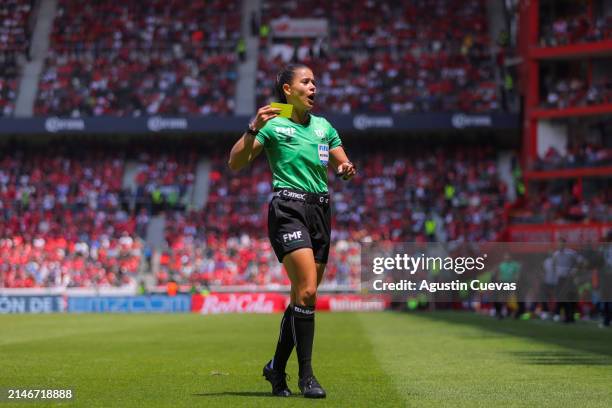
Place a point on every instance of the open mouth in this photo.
(311, 98)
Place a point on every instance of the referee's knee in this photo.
(307, 295)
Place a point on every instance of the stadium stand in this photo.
(66, 217)
(428, 55)
(564, 93)
(63, 220)
(565, 202)
(580, 154)
(164, 180)
(575, 28)
(14, 45)
(61, 262)
(568, 181)
(588, 145)
(136, 58)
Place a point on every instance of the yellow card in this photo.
(286, 109)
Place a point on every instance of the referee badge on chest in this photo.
(324, 153)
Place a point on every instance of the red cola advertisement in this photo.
(216, 303)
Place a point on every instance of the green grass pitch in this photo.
(363, 360)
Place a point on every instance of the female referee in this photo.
(299, 220)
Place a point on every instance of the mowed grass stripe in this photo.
(25, 328)
(466, 360)
(183, 360)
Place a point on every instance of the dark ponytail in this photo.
(285, 76)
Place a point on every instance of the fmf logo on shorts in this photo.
(287, 131)
(292, 236)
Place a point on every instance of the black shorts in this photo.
(299, 220)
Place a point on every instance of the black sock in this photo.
(302, 322)
(285, 344)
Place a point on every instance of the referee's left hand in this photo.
(347, 170)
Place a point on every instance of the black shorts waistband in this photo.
(310, 198)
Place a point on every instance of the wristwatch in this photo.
(251, 130)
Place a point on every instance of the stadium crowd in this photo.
(137, 58)
(67, 220)
(153, 57)
(64, 220)
(578, 155)
(567, 202)
(575, 29)
(66, 216)
(426, 55)
(14, 46)
(569, 92)
(60, 262)
(163, 180)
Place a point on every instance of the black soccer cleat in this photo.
(278, 381)
(311, 388)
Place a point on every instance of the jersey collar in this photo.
(302, 125)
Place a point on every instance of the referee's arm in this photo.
(244, 151)
(341, 163)
(247, 147)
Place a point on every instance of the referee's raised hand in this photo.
(264, 114)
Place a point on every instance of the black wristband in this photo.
(252, 131)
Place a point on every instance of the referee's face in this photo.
(301, 93)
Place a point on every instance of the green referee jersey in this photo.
(298, 154)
